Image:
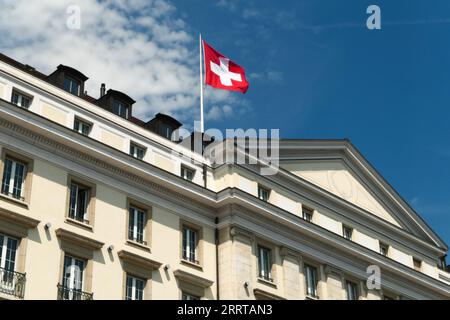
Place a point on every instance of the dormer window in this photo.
(72, 86)
(120, 108)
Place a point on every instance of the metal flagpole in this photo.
(202, 120)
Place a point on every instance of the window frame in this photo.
(186, 296)
(137, 147)
(306, 211)
(419, 262)
(349, 284)
(187, 169)
(27, 179)
(384, 246)
(82, 122)
(316, 285)
(121, 104)
(261, 189)
(347, 228)
(147, 233)
(270, 256)
(90, 206)
(72, 81)
(21, 95)
(198, 261)
(134, 279)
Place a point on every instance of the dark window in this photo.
(136, 225)
(347, 232)
(307, 214)
(190, 244)
(72, 86)
(135, 288)
(189, 297)
(265, 263)
(14, 174)
(187, 174)
(352, 290)
(384, 249)
(263, 193)
(79, 202)
(120, 108)
(311, 281)
(20, 100)
(82, 127)
(137, 152)
(417, 264)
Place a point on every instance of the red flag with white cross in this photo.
(222, 73)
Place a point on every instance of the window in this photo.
(263, 193)
(72, 285)
(14, 174)
(187, 174)
(82, 127)
(417, 264)
(8, 249)
(134, 288)
(120, 108)
(265, 263)
(311, 281)
(190, 245)
(352, 290)
(384, 249)
(166, 131)
(307, 214)
(137, 152)
(20, 99)
(188, 297)
(79, 202)
(347, 232)
(72, 86)
(136, 225)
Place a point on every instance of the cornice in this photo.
(193, 279)
(18, 219)
(82, 241)
(138, 260)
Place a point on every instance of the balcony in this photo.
(65, 293)
(12, 283)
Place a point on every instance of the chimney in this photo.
(102, 90)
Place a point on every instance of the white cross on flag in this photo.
(222, 73)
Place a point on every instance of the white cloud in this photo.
(140, 47)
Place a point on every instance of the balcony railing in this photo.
(65, 293)
(12, 283)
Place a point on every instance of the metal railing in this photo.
(12, 283)
(65, 293)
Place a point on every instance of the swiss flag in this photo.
(222, 73)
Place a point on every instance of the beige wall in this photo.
(43, 258)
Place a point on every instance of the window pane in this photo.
(6, 176)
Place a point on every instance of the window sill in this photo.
(14, 200)
(267, 282)
(138, 245)
(192, 264)
(80, 224)
(311, 298)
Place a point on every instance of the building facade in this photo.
(97, 204)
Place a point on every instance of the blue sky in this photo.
(322, 74)
(315, 71)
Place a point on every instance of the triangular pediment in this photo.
(337, 167)
(335, 177)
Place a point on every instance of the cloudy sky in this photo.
(315, 71)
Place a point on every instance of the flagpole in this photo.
(202, 120)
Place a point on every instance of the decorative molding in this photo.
(138, 260)
(286, 252)
(264, 295)
(239, 232)
(79, 240)
(18, 219)
(193, 279)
